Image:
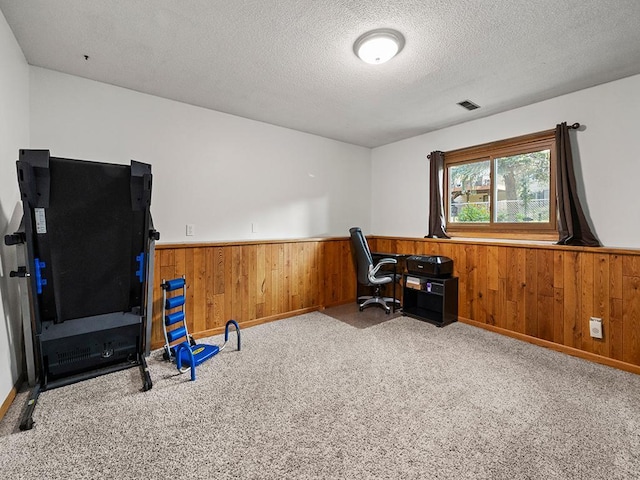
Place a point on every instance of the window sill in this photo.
(513, 241)
(526, 237)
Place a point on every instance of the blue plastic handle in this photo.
(140, 271)
(40, 282)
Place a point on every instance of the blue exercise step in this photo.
(201, 352)
(193, 355)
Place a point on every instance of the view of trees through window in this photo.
(525, 181)
(470, 192)
(502, 189)
(509, 189)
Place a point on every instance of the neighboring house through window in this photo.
(502, 189)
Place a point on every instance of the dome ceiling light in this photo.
(378, 46)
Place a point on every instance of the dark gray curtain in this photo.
(573, 228)
(436, 205)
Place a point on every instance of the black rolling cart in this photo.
(429, 292)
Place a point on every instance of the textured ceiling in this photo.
(291, 62)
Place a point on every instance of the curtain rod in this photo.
(575, 126)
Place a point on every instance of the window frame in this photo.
(490, 151)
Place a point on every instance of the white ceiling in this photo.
(291, 62)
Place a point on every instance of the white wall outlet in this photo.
(191, 229)
(254, 227)
(595, 327)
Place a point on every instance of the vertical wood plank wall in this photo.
(541, 293)
(545, 292)
(253, 282)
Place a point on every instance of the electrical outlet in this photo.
(254, 228)
(595, 327)
(191, 229)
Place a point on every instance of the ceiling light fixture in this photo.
(378, 46)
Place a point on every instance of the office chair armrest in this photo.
(386, 261)
(383, 261)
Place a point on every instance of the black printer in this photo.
(430, 265)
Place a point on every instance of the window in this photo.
(503, 189)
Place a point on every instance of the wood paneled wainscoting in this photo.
(545, 294)
(253, 282)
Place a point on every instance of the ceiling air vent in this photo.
(469, 105)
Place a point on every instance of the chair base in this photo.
(381, 301)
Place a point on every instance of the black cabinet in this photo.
(434, 300)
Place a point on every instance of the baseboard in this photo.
(9, 400)
(248, 323)
(592, 357)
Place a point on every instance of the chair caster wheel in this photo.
(361, 309)
(165, 356)
(387, 312)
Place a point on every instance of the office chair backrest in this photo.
(361, 255)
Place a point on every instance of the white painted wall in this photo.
(606, 157)
(217, 171)
(14, 134)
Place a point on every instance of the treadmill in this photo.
(87, 243)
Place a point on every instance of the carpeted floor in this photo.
(315, 397)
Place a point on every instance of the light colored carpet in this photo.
(314, 397)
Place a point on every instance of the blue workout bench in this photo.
(179, 344)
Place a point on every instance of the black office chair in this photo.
(368, 274)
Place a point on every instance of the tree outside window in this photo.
(503, 187)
